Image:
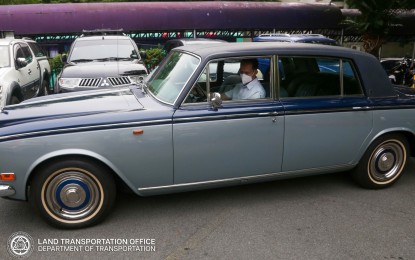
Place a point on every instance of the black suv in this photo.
(101, 59)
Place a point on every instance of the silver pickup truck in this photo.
(24, 70)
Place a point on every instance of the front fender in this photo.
(13, 89)
(70, 153)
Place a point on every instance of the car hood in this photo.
(3, 71)
(71, 110)
(103, 69)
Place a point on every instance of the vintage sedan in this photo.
(69, 153)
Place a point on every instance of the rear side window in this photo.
(303, 77)
(37, 50)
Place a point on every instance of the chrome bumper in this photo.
(6, 190)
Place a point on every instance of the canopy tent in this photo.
(158, 16)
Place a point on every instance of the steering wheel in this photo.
(197, 94)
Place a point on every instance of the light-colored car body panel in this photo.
(156, 147)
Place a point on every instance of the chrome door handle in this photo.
(269, 114)
(362, 108)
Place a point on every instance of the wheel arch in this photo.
(15, 89)
(408, 134)
(384, 158)
(45, 76)
(121, 180)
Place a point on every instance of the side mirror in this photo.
(64, 58)
(143, 55)
(215, 100)
(21, 62)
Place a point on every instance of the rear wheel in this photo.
(14, 100)
(73, 193)
(383, 162)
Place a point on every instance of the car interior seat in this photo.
(229, 83)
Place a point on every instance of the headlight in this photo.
(137, 78)
(69, 83)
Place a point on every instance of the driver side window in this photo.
(224, 77)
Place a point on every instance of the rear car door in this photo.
(327, 115)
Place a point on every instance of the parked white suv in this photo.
(24, 72)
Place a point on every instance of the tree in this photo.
(376, 19)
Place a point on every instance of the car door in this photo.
(239, 140)
(29, 75)
(328, 116)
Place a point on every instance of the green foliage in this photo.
(56, 64)
(376, 19)
(154, 56)
(377, 15)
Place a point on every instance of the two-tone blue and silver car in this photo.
(69, 153)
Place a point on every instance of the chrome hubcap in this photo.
(387, 161)
(72, 195)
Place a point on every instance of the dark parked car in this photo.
(70, 153)
(304, 38)
(170, 44)
(101, 59)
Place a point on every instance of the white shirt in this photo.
(252, 90)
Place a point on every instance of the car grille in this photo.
(118, 81)
(112, 81)
(90, 82)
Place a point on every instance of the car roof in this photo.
(267, 48)
(187, 41)
(100, 37)
(7, 41)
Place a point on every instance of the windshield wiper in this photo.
(110, 59)
(82, 60)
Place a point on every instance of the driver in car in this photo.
(250, 88)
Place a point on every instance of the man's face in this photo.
(246, 68)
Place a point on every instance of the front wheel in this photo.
(14, 100)
(44, 89)
(73, 193)
(383, 162)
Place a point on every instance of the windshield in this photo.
(171, 77)
(106, 49)
(4, 56)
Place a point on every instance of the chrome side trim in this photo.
(327, 110)
(85, 128)
(242, 180)
(95, 93)
(6, 190)
(225, 117)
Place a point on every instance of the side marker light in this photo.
(7, 176)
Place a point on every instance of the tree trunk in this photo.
(372, 43)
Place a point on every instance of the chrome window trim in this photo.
(226, 117)
(185, 84)
(341, 75)
(270, 98)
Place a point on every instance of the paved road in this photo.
(320, 217)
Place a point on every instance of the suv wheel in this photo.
(14, 100)
(44, 89)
